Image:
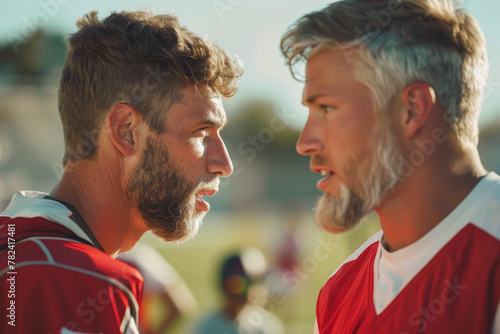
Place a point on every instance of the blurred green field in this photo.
(197, 261)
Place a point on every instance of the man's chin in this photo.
(186, 230)
(339, 213)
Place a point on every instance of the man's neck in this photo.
(422, 201)
(101, 203)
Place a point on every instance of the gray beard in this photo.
(343, 211)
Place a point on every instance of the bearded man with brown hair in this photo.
(140, 104)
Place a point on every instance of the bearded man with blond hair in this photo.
(394, 90)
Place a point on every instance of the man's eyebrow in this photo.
(218, 123)
(311, 99)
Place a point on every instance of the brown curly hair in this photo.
(138, 58)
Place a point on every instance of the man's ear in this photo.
(123, 121)
(418, 101)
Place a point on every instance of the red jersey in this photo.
(54, 280)
(449, 284)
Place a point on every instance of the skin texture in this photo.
(142, 180)
(342, 137)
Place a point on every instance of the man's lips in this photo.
(201, 204)
(327, 176)
(207, 192)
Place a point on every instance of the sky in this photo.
(250, 29)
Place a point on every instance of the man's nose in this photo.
(219, 161)
(310, 141)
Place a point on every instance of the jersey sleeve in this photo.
(54, 300)
(62, 286)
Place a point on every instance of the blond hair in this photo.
(396, 42)
(137, 58)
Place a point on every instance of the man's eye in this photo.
(326, 109)
(202, 132)
(204, 129)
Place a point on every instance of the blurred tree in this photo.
(263, 127)
(261, 136)
(489, 150)
(36, 58)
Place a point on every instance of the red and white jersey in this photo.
(52, 278)
(446, 282)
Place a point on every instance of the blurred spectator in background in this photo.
(242, 310)
(166, 297)
(283, 280)
(287, 255)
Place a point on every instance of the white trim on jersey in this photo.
(30, 204)
(496, 324)
(481, 208)
(51, 262)
(373, 239)
(128, 325)
(64, 330)
(128, 321)
(394, 270)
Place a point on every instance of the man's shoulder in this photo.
(352, 274)
(29, 210)
(55, 251)
(20, 228)
(362, 254)
(68, 282)
(485, 208)
(350, 278)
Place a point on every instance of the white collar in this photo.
(30, 204)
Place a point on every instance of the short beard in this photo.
(164, 197)
(343, 211)
(339, 213)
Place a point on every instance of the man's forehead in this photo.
(327, 58)
(323, 71)
(198, 107)
(213, 110)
